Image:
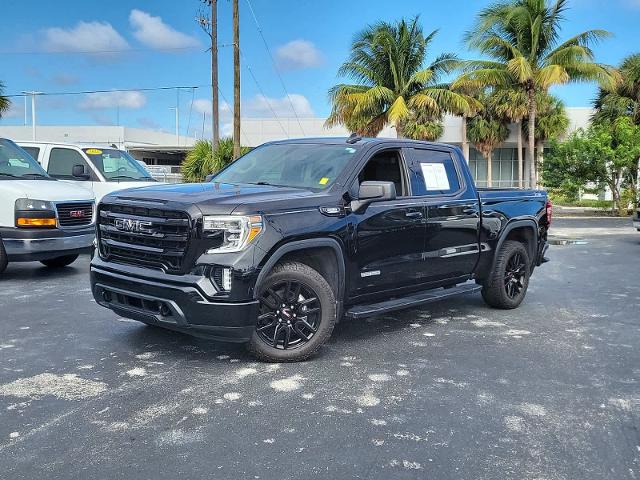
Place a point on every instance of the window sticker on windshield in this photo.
(435, 176)
(323, 181)
(93, 151)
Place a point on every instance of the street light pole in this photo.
(33, 112)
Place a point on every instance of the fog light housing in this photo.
(226, 279)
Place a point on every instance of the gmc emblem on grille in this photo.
(76, 213)
(134, 226)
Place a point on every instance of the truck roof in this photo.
(360, 141)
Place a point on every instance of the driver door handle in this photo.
(413, 214)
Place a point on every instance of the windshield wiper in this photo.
(124, 176)
(35, 175)
(2, 174)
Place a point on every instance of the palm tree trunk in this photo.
(539, 160)
(465, 141)
(520, 158)
(532, 138)
(489, 169)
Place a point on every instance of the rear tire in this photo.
(4, 261)
(60, 262)
(297, 314)
(507, 284)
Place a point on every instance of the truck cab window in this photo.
(385, 167)
(435, 173)
(62, 160)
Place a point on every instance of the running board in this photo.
(368, 310)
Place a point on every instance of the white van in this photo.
(102, 170)
(41, 218)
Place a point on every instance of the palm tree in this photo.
(511, 105)
(392, 83)
(551, 123)
(624, 98)
(5, 103)
(487, 130)
(522, 39)
(202, 160)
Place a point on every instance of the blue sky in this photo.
(156, 43)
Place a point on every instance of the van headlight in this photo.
(237, 231)
(31, 213)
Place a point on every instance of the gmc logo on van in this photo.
(76, 213)
(133, 226)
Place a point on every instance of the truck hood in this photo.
(50, 190)
(216, 198)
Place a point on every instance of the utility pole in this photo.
(33, 112)
(177, 123)
(236, 80)
(210, 27)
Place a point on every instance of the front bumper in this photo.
(179, 303)
(42, 244)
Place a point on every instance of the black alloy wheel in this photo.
(514, 275)
(290, 315)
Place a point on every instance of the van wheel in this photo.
(4, 261)
(60, 262)
(297, 314)
(507, 285)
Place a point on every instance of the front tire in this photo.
(507, 285)
(59, 262)
(297, 314)
(4, 260)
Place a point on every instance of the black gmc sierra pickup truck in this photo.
(298, 234)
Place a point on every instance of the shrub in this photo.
(202, 161)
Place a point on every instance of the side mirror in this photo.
(78, 172)
(373, 191)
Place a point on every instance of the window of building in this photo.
(504, 164)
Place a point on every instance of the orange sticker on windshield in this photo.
(93, 151)
(323, 181)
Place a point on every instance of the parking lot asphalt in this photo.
(454, 390)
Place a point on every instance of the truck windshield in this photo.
(117, 165)
(15, 163)
(301, 165)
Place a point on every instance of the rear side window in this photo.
(33, 151)
(435, 173)
(62, 160)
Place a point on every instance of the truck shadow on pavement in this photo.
(37, 272)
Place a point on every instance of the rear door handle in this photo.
(413, 214)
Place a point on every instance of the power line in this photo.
(89, 52)
(275, 67)
(266, 99)
(85, 92)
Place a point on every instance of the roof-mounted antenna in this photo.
(354, 138)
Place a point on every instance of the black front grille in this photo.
(75, 214)
(144, 237)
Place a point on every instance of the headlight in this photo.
(35, 213)
(237, 231)
(29, 204)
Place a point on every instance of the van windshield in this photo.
(15, 163)
(117, 165)
(299, 165)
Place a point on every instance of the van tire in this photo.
(4, 261)
(315, 303)
(507, 284)
(59, 262)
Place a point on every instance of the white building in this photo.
(160, 148)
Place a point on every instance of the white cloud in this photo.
(261, 106)
(106, 100)
(92, 37)
(298, 54)
(154, 33)
(203, 105)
